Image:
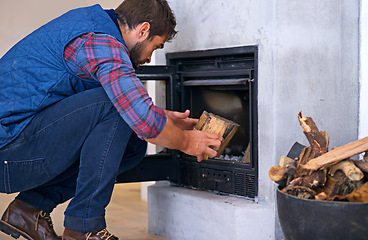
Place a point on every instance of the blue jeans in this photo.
(73, 149)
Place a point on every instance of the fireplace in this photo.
(221, 81)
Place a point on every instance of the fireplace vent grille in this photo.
(240, 184)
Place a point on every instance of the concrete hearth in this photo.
(179, 213)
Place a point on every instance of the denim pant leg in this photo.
(97, 175)
(84, 129)
(135, 150)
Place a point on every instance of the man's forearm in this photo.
(192, 142)
(170, 137)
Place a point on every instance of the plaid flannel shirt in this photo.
(103, 58)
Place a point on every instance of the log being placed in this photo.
(209, 122)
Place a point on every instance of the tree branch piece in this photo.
(338, 154)
(348, 167)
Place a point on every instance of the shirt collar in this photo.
(113, 17)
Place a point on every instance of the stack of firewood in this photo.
(321, 174)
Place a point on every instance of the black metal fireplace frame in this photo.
(240, 71)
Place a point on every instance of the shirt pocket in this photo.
(22, 175)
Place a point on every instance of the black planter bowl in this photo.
(304, 219)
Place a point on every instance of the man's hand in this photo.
(182, 120)
(200, 143)
(178, 133)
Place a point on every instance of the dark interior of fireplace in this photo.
(230, 104)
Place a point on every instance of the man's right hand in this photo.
(191, 142)
(200, 143)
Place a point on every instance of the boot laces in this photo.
(45, 216)
(105, 234)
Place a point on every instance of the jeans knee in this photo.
(134, 153)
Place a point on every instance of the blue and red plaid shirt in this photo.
(103, 58)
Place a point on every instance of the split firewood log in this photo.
(313, 180)
(318, 141)
(321, 196)
(277, 173)
(361, 165)
(284, 171)
(359, 194)
(337, 154)
(365, 157)
(338, 184)
(348, 167)
(304, 157)
(299, 191)
(246, 156)
(209, 122)
(321, 174)
(285, 161)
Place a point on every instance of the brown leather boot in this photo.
(22, 219)
(101, 235)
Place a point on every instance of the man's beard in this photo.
(136, 53)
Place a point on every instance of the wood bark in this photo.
(277, 173)
(348, 167)
(318, 146)
(346, 179)
(316, 139)
(359, 194)
(338, 184)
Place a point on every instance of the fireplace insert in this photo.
(220, 81)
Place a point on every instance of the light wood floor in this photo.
(126, 214)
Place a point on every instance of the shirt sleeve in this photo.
(103, 58)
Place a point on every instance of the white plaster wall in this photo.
(363, 110)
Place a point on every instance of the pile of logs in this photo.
(321, 174)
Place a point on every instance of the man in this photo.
(74, 115)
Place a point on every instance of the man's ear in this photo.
(143, 31)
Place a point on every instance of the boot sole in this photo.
(13, 231)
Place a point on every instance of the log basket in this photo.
(306, 219)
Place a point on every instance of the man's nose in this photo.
(148, 60)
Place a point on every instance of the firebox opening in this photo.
(231, 104)
(223, 82)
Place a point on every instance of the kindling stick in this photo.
(337, 154)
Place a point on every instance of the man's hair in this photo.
(156, 12)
